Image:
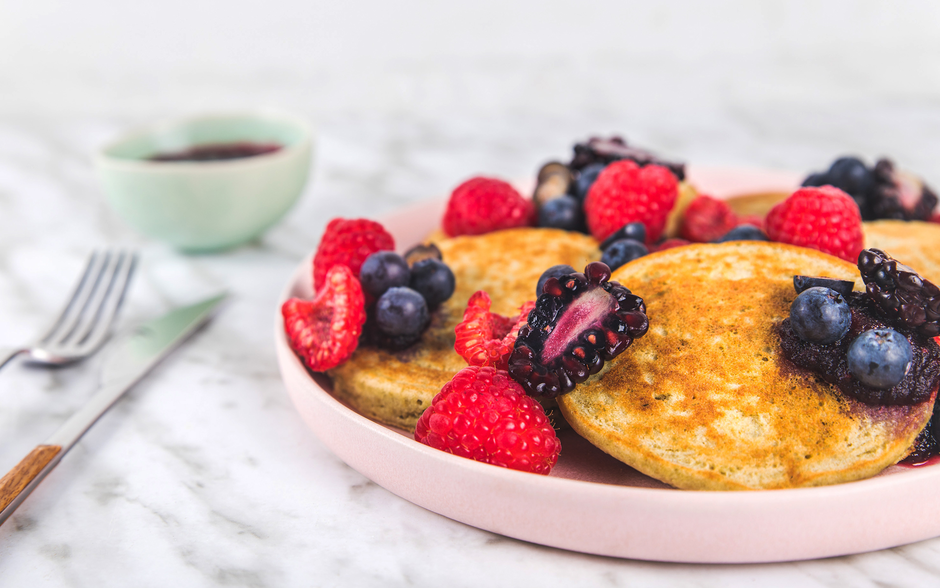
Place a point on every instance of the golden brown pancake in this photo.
(914, 243)
(706, 401)
(395, 388)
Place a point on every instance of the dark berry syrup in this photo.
(830, 363)
(218, 152)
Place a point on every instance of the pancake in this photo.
(913, 243)
(706, 401)
(395, 388)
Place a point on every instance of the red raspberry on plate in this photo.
(325, 331)
(486, 338)
(484, 415)
(823, 218)
(624, 193)
(670, 243)
(349, 242)
(483, 205)
(707, 219)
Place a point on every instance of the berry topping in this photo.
(383, 270)
(580, 321)
(482, 205)
(707, 219)
(880, 191)
(822, 218)
(635, 231)
(880, 358)
(624, 193)
(486, 338)
(434, 280)
(556, 271)
(419, 252)
(820, 315)
(907, 299)
(605, 151)
(325, 331)
(801, 283)
(623, 251)
(925, 446)
(401, 314)
(482, 414)
(349, 243)
(563, 212)
(743, 233)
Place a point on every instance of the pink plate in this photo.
(595, 504)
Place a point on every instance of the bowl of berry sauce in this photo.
(210, 182)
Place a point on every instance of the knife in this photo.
(131, 358)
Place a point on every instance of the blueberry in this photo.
(622, 251)
(743, 233)
(635, 231)
(586, 179)
(816, 179)
(820, 315)
(563, 212)
(383, 270)
(880, 358)
(401, 311)
(843, 287)
(556, 271)
(434, 280)
(851, 175)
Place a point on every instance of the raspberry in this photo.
(670, 243)
(707, 219)
(624, 193)
(482, 205)
(823, 218)
(482, 414)
(485, 338)
(325, 331)
(349, 243)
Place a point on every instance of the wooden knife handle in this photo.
(17, 479)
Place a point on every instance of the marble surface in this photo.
(204, 475)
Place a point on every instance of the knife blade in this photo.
(130, 359)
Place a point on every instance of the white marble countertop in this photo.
(204, 475)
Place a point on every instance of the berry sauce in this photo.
(829, 361)
(218, 152)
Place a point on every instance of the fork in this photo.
(85, 321)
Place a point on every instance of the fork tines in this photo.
(84, 322)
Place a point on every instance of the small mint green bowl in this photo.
(204, 206)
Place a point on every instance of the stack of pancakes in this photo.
(704, 400)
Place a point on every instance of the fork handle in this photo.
(7, 353)
(16, 485)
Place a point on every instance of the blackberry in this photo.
(635, 231)
(623, 251)
(605, 151)
(898, 195)
(579, 322)
(843, 287)
(909, 301)
(880, 358)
